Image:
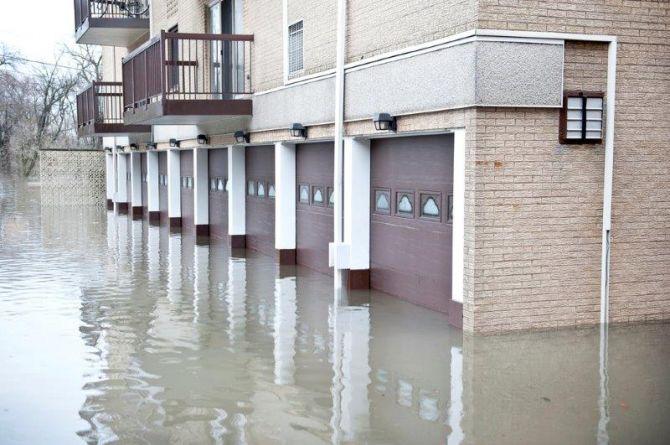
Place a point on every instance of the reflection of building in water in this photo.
(285, 318)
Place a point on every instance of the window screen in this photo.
(295, 47)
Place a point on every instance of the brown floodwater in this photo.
(114, 331)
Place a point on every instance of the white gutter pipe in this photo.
(338, 174)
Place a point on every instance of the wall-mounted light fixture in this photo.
(108, 149)
(152, 146)
(134, 146)
(203, 139)
(241, 137)
(298, 131)
(174, 143)
(119, 148)
(384, 122)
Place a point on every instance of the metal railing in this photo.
(111, 9)
(180, 66)
(101, 103)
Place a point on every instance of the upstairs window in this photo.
(295, 48)
(581, 118)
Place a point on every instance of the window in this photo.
(581, 118)
(251, 188)
(226, 183)
(430, 206)
(331, 197)
(189, 182)
(450, 208)
(173, 61)
(382, 201)
(261, 189)
(303, 193)
(212, 184)
(295, 48)
(317, 195)
(220, 184)
(405, 204)
(271, 190)
(183, 182)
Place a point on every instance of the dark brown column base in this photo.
(138, 211)
(175, 224)
(110, 204)
(238, 241)
(122, 208)
(455, 314)
(154, 218)
(202, 234)
(358, 279)
(286, 257)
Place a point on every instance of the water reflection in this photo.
(146, 336)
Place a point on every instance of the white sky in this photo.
(37, 27)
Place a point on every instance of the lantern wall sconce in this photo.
(384, 122)
(134, 146)
(203, 139)
(241, 137)
(174, 143)
(298, 131)
(152, 146)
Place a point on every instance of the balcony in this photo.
(110, 22)
(188, 79)
(100, 112)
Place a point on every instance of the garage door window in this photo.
(382, 201)
(430, 206)
(271, 190)
(317, 195)
(219, 185)
(251, 188)
(331, 197)
(303, 194)
(405, 204)
(450, 208)
(261, 189)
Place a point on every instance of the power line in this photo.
(22, 59)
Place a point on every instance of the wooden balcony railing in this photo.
(100, 111)
(188, 67)
(109, 9)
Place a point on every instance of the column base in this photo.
(286, 257)
(122, 208)
(138, 212)
(175, 224)
(154, 218)
(357, 279)
(455, 314)
(110, 204)
(202, 234)
(237, 241)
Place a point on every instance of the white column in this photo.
(201, 187)
(285, 332)
(121, 174)
(285, 195)
(109, 176)
(152, 182)
(237, 193)
(357, 202)
(458, 222)
(174, 185)
(136, 183)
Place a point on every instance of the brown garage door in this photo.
(187, 181)
(218, 194)
(162, 186)
(314, 212)
(143, 169)
(260, 214)
(411, 230)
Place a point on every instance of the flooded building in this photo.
(504, 164)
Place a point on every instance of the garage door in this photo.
(162, 186)
(260, 213)
(218, 194)
(411, 230)
(143, 169)
(314, 211)
(187, 181)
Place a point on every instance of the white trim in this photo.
(458, 220)
(285, 190)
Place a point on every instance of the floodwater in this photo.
(113, 331)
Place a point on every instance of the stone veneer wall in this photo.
(72, 177)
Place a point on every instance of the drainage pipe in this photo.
(338, 174)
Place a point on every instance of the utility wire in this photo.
(22, 59)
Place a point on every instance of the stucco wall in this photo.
(72, 177)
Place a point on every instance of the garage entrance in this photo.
(187, 184)
(411, 218)
(260, 194)
(314, 207)
(218, 194)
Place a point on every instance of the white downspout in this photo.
(607, 188)
(338, 176)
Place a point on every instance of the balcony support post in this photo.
(152, 188)
(174, 189)
(237, 196)
(285, 197)
(136, 185)
(201, 193)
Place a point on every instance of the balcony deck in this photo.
(109, 22)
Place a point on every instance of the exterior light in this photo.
(203, 139)
(108, 149)
(133, 146)
(241, 137)
(384, 122)
(119, 148)
(152, 146)
(298, 131)
(174, 143)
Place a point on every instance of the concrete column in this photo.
(237, 228)
(174, 189)
(121, 183)
(153, 192)
(201, 192)
(109, 178)
(285, 197)
(357, 211)
(136, 185)
(458, 236)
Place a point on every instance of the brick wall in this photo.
(111, 63)
(268, 46)
(640, 252)
(319, 32)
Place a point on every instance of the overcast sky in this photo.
(36, 27)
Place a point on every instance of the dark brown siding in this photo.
(186, 168)
(163, 193)
(314, 221)
(260, 214)
(143, 170)
(410, 256)
(218, 199)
